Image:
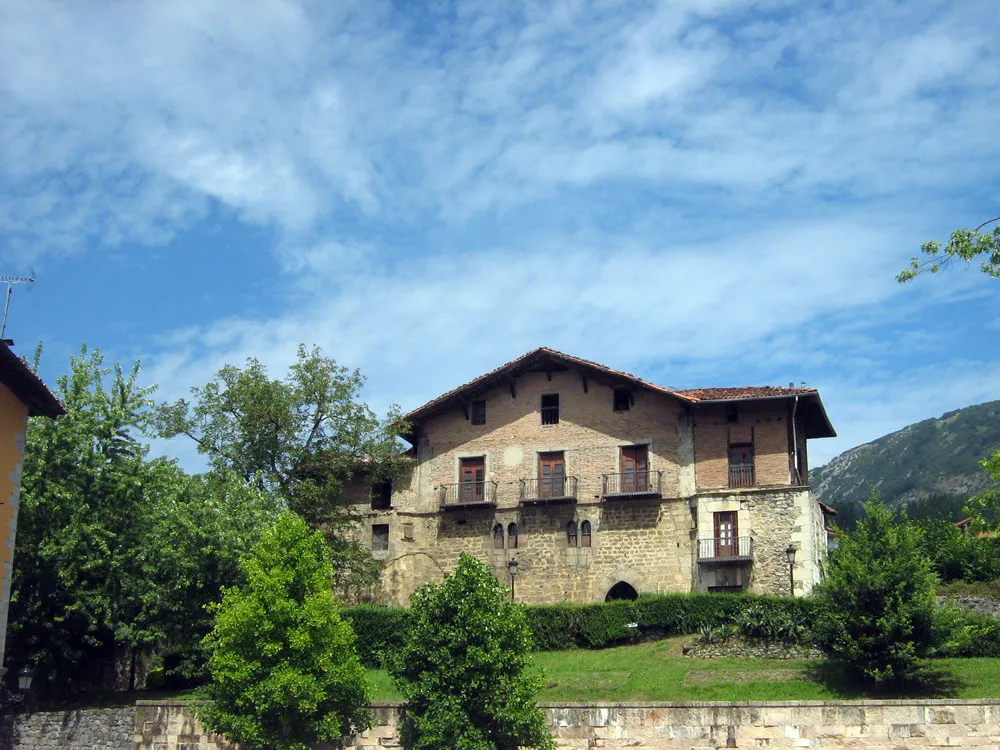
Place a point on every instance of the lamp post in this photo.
(790, 554)
(24, 675)
(512, 571)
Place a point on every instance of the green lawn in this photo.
(657, 672)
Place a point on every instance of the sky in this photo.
(700, 192)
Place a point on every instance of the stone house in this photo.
(22, 395)
(602, 485)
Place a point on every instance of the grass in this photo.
(983, 589)
(658, 672)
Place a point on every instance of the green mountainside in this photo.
(931, 463)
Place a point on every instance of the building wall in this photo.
(647, 543)
(13, 424)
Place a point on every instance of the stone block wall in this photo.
(876, 725)
(84, 729)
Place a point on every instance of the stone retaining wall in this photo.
(876, 725)
(83, 729)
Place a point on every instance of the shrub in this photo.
(381, 630)
(283, 666)
(463, 668)
(973, 635)
(876, 607)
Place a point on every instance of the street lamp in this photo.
(24, 676)
(790, 554)
(512, 571)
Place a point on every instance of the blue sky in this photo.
(704, 193)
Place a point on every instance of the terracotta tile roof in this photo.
(27, 386)
(745, 392)
(512, 369)
(827, 510)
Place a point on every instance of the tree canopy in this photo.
(464, 668)
(284, 670)
(964, 244)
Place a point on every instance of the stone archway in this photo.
(621, 590)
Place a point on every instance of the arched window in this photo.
(585, 534)
(571, 534)
(498, 536)
(512, 536)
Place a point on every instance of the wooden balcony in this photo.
(632, 484)
(468, 494)
(730, 550)
(548, 490)
(741, 475)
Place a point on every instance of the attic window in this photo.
(380, 537)
(550, 408)
(478, 412)
(732, 413)
(623, 399)
(381, 495)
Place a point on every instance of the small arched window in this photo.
(585, 534)
(512, 536)
(571, 534)
(498, 536)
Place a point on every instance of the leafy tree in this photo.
(957, 555)
(464, 667)
(284, 670)
(984, 509)
(84, 494)
(877, 603)
(300, 438)
(964, 244)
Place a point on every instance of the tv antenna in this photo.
(10, 281)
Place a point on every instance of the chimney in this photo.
(791, 384)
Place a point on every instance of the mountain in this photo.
(936, 459)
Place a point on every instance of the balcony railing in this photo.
(548, 489)
(632, 484)
(468, 493)
(741, 475)
(731, 549)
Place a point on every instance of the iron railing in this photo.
(548, 488)
(550, 414)
(741, 475)
(632, 484)
(468, 493)
(730, 549)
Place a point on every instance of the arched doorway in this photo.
(621, 590)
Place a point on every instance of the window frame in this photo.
(549, 413)
(477, 412)
(384, 498)
(621, 399)
(586, 534)
(380, 537)
(512, 534)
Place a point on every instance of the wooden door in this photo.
(635, 468)
(472, 476)
(726, 534)
(551, 475)
(741, 472)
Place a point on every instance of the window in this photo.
(512, 536)
(550, 408)
(478, 412)
(551, 475)
(571, 534)
(741, 473)
(585, 534)
(732, 413)
(380, 537)
(622, 399)
(498, 536)
(635, 468)
(381, 495)
(472, 479)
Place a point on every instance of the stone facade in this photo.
(876, 725)
(657, 541)
(80, 729)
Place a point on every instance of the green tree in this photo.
(284, 670)
(300, 438)
(877, 606)
(964, 244)
(464, 667)
(984, 509)
(84, 493)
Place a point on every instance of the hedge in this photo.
(558, 627)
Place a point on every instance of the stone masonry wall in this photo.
(84, 729)
(876, 725)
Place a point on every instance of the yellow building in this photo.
(22, 395)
